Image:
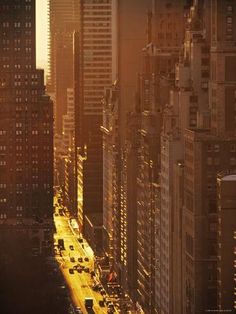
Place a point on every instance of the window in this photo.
(216, 161)
(209, 161)
(209, 148)
(229, 20)
(233, 148)
(212, 206)
(209, 186)
(232, 161)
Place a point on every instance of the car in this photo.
(78, 310)
(71, 270)
(79, 270)
(100, 287)
(86, 269)
(111, 306)
(80, 240)
(86, 259)
(101, 303)
(92, 273)
(82, 267)
(103, 292)
(80, 259)
(72, 259)
(71, 247)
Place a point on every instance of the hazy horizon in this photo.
(41, 34)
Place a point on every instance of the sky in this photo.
(41, 33)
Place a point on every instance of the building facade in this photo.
(94, 69)
(226, 241)
(208, 152)
(26, 128)
(63, 21)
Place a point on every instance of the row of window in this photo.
(32, 83)
(32, 99)
(216, 161)
(216, 148)
(17, 24)
(229, 23)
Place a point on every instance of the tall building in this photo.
(189, 96)
(205, 156)
(120, 223)
(68, 123)
(110, 175)
(63, 21)
(223, 65)
(171, 153)
(206, 153)
(95, 69)
(226, 184)
(169, 23)
(26, 131)
(159, 150)
(131, 212)
(132, 37)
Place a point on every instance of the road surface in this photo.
(80, 284)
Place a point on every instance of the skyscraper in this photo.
(226, 201)
(63, 21)
(26, 135)
(94, 69)
(209, 149)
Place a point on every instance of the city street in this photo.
(80, 284)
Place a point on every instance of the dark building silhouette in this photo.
(26, 130)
